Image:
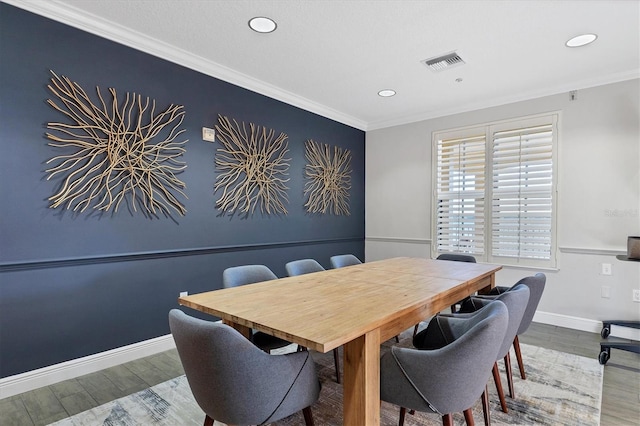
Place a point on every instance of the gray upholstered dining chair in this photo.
(250, 274)
(236, 383)
(302, 266)
(342, 260)
(307, 266)
(454, 257)
(435, 336)
(536, 284)
(457, 257)
(452, 377)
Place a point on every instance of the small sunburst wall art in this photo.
(327, 179)
(252, 169)
(115, 152)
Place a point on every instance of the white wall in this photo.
(598, 199)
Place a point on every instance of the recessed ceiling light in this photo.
(581, 40)
(386, 93)
(262, 24)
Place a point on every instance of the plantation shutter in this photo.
(494, 191)
(460, 194)
(522, 193)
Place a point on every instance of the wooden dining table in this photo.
(357, 307)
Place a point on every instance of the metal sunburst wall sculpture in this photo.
(328, 179)
(253, 169)
(117, 151)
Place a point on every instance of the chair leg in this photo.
(397, 338)
(308, 417)
(403, 412)
(208, 421)
(336, 361)
(496, 378)
(516, 346)
(447, 420)
(507, 367)
(468, 417)
(485, 406)
(415, 329)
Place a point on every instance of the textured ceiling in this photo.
(332, 57)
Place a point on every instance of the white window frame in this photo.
(483, 251)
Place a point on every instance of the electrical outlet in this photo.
(605, 292)
(636, 295)
(184, 293)
(606, 269)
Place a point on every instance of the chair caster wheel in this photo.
(605, 332)
(603, 357)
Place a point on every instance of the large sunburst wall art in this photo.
(115, 151)
(252, 167)
(328, 179)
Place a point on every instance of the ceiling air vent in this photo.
(444, 62)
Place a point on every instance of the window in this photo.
(494, 191)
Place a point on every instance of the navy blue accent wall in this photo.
(73, 285)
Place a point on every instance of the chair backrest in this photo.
(516, 300)
(246, 274)
(303, 266)
(536, 286)
(233, 381)
(444, 329)
(451, 378)
(343, 260)
(457, 257)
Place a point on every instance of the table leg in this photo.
(362, 380)
(489, 282)
(243, 329)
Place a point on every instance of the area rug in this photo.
(561, 389)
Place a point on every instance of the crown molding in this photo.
(93, 24)
(550, 91)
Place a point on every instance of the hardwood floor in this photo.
(621, 387)
(52, 403)
(620, 400)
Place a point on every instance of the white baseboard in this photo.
(46, 376)
(584, 324)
